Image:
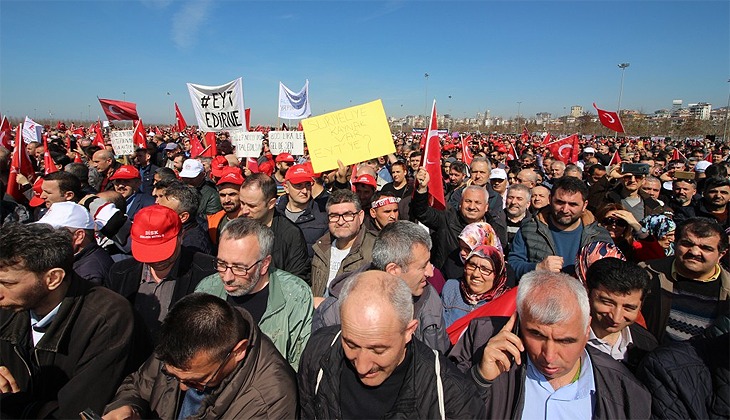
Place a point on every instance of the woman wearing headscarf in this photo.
(473, 235)
(659, 242)
(593, 252)
(484, 278)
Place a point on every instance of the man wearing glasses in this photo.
(220, 366)
(279, 302)
(346, 247)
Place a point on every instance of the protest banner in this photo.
(219, 108)
(351, 135)
(122, 142)
(286, 141)
(294, 106)
(247, 144)
(32, 131)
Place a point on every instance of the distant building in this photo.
(676, 106)
(576, 111)
(700, 111)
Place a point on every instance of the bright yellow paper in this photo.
(351, 135)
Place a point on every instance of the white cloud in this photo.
(187, 21)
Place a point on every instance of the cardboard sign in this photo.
(351, 135)
(286, 141)
(122, 142)
(248, 144)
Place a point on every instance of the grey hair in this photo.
(481, 159)
(521, 188)
(477, 188)
(395, 243)
(541, 295)
(241, 227)
(379, 284)
(652, 178)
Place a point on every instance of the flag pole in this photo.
(623, 67)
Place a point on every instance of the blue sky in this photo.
(58, 56)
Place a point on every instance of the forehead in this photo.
(516, 193)
(228, 190)
(251, 194)
(564, 195)
(712, 240)
(49, 185)
(633, 296)
(342, 208)
(387, 208)
(472, 194)
(238, 250)
(479, 166)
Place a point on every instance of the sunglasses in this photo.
(614, 222)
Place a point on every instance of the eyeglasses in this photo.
(614, 222)
(348, 217)
(483, 270)
(236, 269)
(195, 384)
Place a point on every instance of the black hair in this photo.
(265, 183)
(36, 247)
(66, 182)
(702, 227)
(617, 276)
(200, 322)
(715, 182)
(166, 174)
(458, 166)
(187, 195)
(571, 185)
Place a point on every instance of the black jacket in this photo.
(312, 221)
(290, 248)
(689, 379)
(93, 263)
(604, 192)
(417, 398)
(78, 364)
(195, 236)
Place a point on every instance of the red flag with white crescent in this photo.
(179, 119)
(609, 119)
(566, 149)
(119, 110)
(5, 133)
(140, 136)
(432, 162)
(98, 136)
(511, 152)
(196, 149)
(212, 147)
(19, 164)
(49, 166)
(466, 154)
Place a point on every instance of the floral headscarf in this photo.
(593, 252)
(658, 225)
(494, 255)
(480, 233)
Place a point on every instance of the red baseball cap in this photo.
(298, 174)
(154, 234)
(284, 157)
(125, 172)
(218, 166)
(231, 175)
(366, 179)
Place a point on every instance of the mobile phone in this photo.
(684, 175)
(635, 168)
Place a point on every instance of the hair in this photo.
(573, 169)
(591, 169)
(539, 296)
(79, 170)
(242, 227)
(343, 196)
(458, 166)
(476, 188)
(521, 188)
(401, 164)
(480, 159)
(188, 197)
(531, 173)
(265, 183)
(379, 284)
(395, 243)
(66, 182)
(652, 178)
(200, 323)
(36, 247)
(702, 227)
(571, 185)
(617, 276)
(415, 153)
(716, 170)
(715, 182)
(166, 174)
(105, 154)
(559, 163)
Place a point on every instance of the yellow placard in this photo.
(351, 135)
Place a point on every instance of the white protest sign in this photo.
(294, 106)
(122, 142)
(32, 131)
(248, 144)
(286, 141)
(219, 108)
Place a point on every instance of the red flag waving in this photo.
(677, 155)
(565, 149)
(5, 132)
(525, 136)
(119, 110)
(466, 155)
(180, 120)
(548, 138)
(511, 152)
(196, 149)
(247, 114)
(19, 164)
(609, 119)
(210, 144)
(98, 136)
(49, 166)
(503, 305)
(140, 136)
(708, 157)
(432, 162)
(615, 159)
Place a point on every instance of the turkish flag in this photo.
(466, 155)
(196, 149)
(119, 110)
(247, 114)
(211, 147)
(615, 159)
(158, 132)
(548, 138)
(98, 136)
(252, 164)
(503, 305)
(610, 119)
(19, 164)
(140, 136)
(78, 132)
(5, 132)
(565, 149)
(353, 176)
(511, 152)
(708, 157)
(677, 155)
(49, 166)
(78, 159)
(525, 134)
(180, 120)
(432, 162)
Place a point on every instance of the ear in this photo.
(361, 216)
(184, 217)
(265, 265)
(78, 237)
(68, 195)
(54, 277)
(372, 213)
(271, 203)
(393, 268)
(411, 329)
(239, 352)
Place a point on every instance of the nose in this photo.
(362, 364)
(429, 270)
(617, 313)
(226, 275)
(548, 352)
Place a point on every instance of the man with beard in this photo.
(279, 302)
(228, 191)
(684, 191)
(625, 188)
(551, 240)
(688, 290)
(713, 205)
(518, 201)
(126, 182)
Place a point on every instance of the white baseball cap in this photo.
(191, 168)
(69, 215)
(498, 173)
(702, 166)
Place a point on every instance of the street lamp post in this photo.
(519, 103)
(622, 66)
(425, 102)
(727, 113)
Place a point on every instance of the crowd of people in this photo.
(173, 284)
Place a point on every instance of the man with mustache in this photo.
(689, 290)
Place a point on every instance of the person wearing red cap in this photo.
(284, 161)
(299, 206)
(229, 185)
(126, 181)
(162, 271)
(365, 186)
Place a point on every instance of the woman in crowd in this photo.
(659, 242)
